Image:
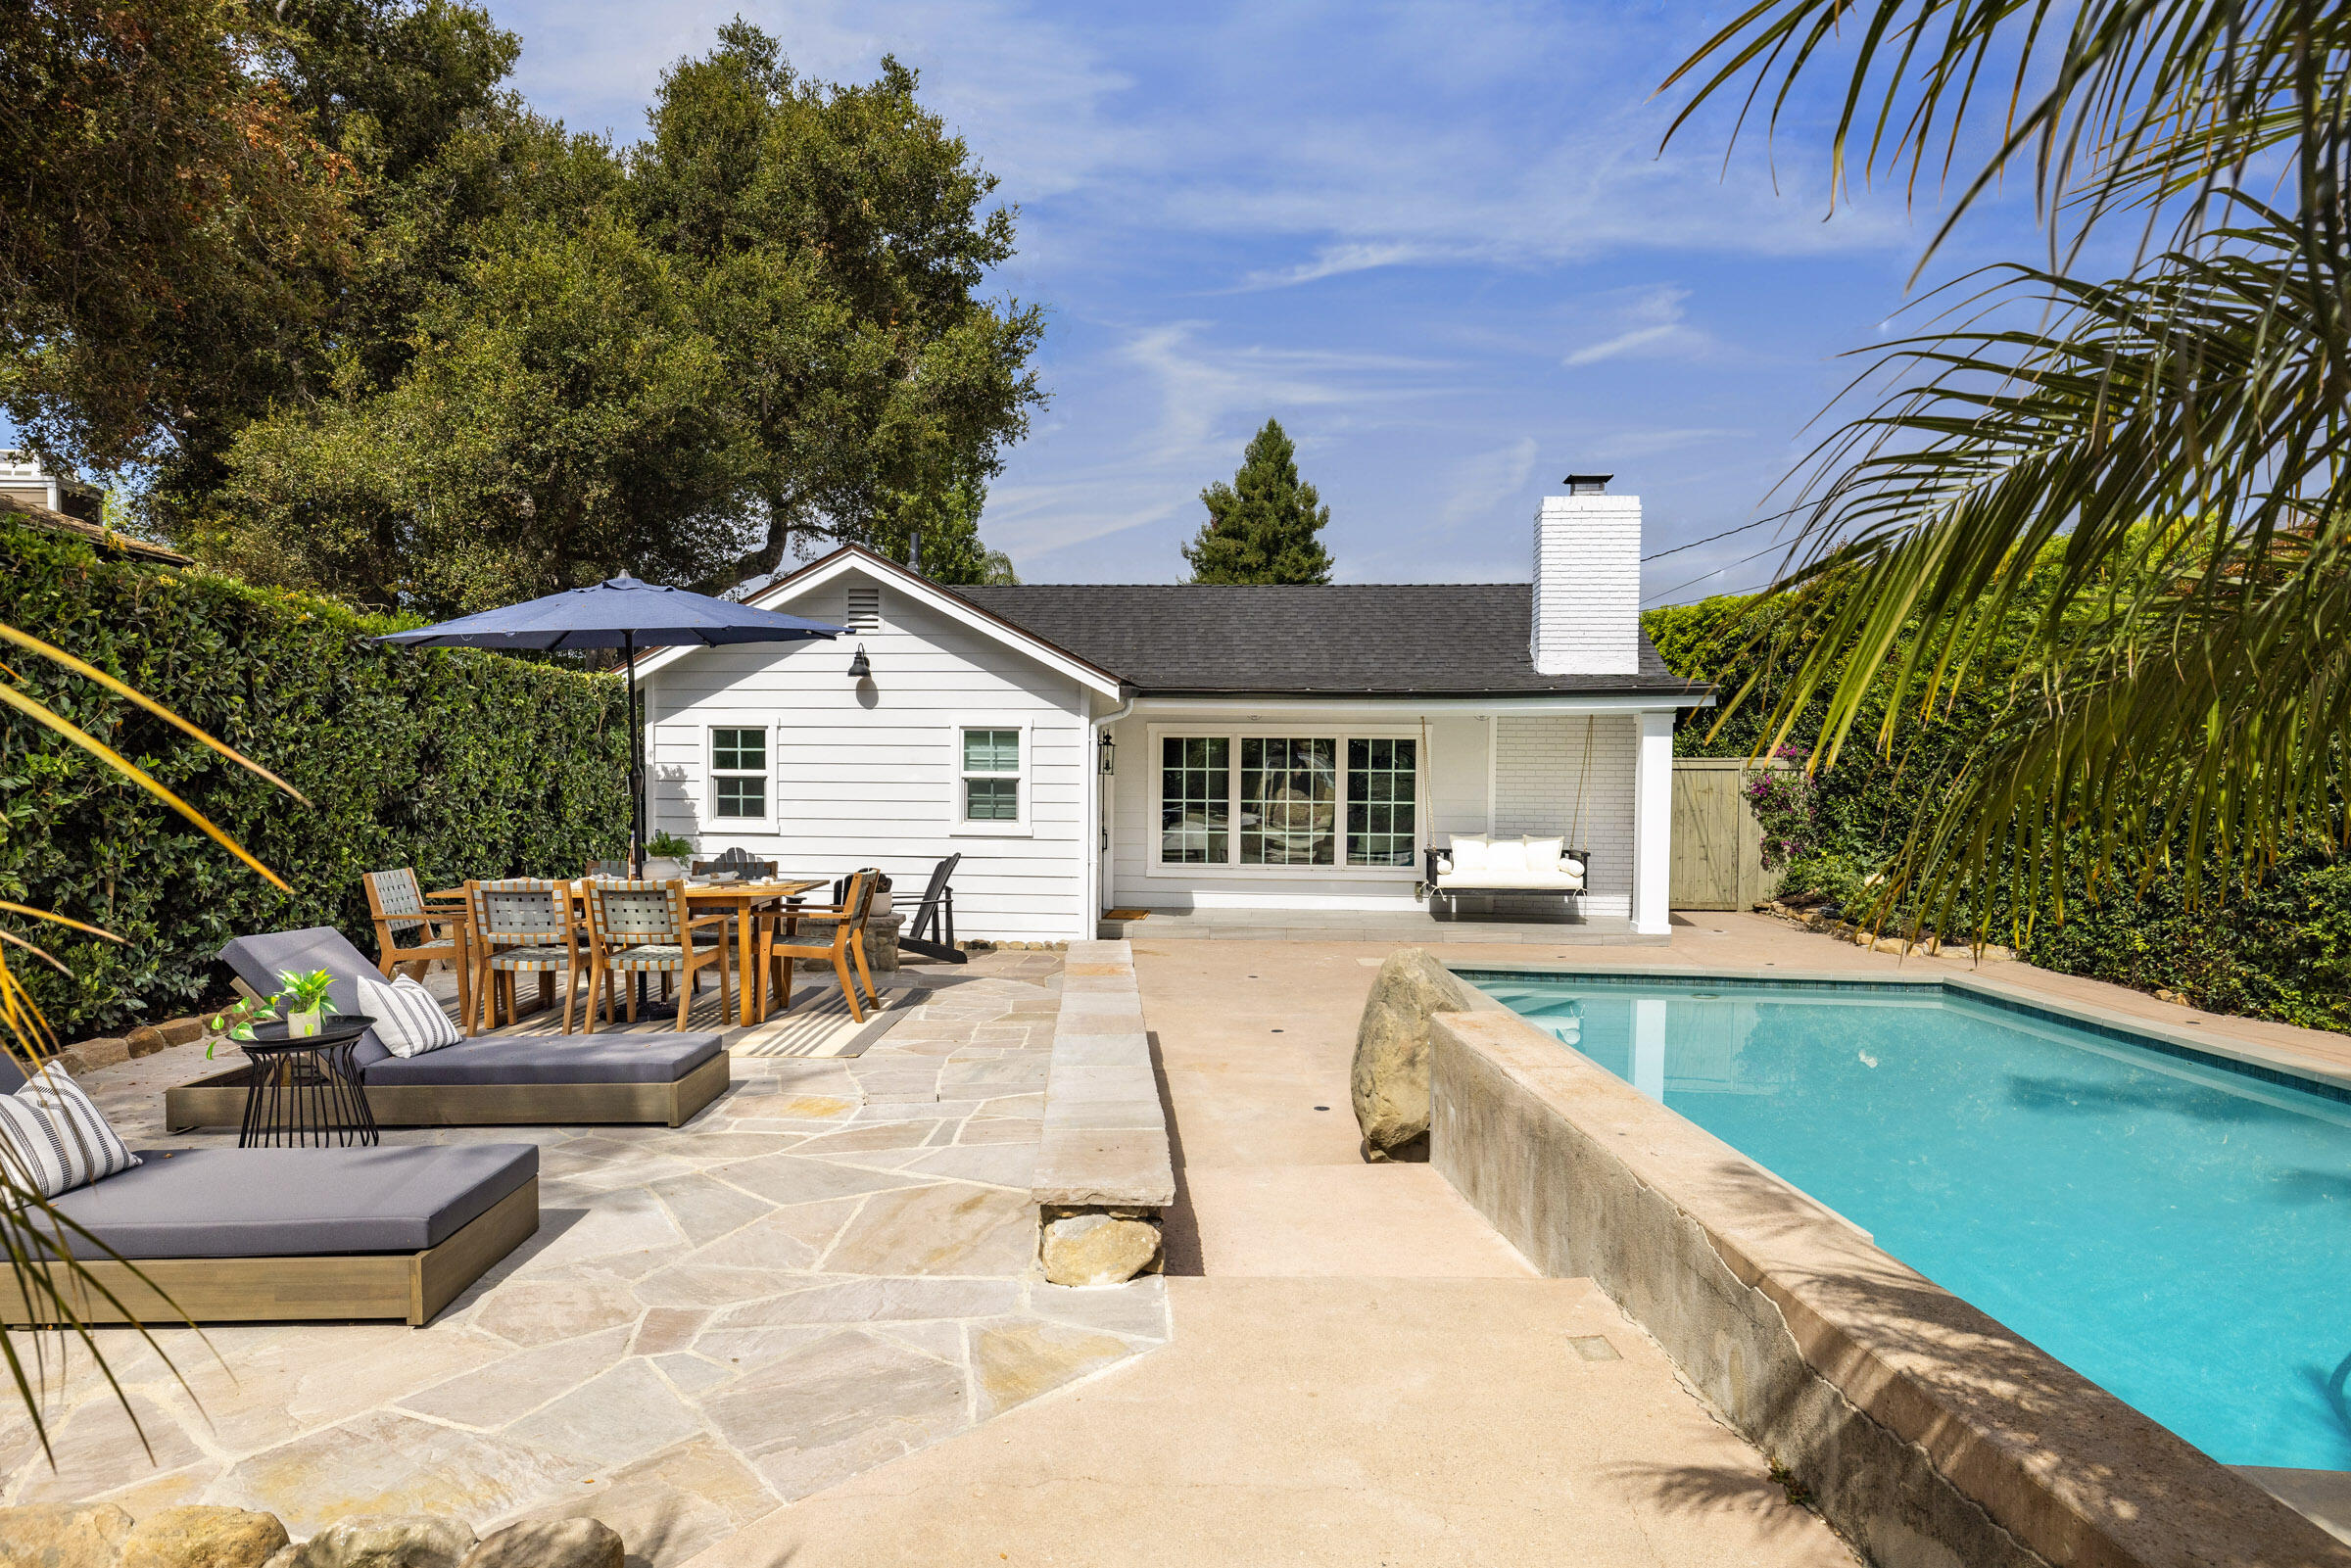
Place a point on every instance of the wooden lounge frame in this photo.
(411, 1287)
(218, 1101)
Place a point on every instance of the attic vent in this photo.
(865, 609)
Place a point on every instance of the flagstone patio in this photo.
(829, 1268)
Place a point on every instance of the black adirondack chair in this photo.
(932, 930)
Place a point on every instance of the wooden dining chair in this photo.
(522, 926)
(833, 934)
(412, 928)
(646, 928)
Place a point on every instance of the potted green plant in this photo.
(234, 1023)
(306, 1001)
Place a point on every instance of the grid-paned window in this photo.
(992, 776)
(1195, 800)
(1382, 801)
(738, 773)
(1289, 802)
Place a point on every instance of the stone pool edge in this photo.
(1925, 1430)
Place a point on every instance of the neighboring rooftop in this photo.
(1344, 639)
(15, 510)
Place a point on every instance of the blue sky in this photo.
(1435, 241)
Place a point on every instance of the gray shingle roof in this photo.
(1346, 639)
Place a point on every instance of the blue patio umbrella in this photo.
(626, 614)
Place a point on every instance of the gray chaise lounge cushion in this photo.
(662, 1057)
(258, 961)
(655, 1058)
(296, 1203)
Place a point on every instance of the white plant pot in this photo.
(301, 1025)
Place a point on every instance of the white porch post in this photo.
(1652, 825)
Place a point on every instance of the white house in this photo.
(1180, 747)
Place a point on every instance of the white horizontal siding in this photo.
(868, 775)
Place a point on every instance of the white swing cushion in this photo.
(1467, 855)
(1515, 865)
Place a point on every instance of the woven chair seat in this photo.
(650, 956)
(527, 959)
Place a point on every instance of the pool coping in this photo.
(1922, 1426)
(2274, 1064)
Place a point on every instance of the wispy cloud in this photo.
(1435, 237)
(1656, 331)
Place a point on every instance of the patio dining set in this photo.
(610, 932)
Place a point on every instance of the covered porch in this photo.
(1311, 818)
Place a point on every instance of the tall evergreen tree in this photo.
(1261, 527)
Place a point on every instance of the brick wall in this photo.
(1587, 618)
(1537, 762)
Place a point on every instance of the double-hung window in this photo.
(990, 793)
(1306, 802)
(739, 774)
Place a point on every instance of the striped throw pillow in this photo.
(54, 1139)
(408, 1018)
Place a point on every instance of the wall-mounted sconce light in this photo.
(861, 668)
(1110, 753)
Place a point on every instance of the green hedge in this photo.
(458, 762)
(2279, 949)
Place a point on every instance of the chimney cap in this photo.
(1588, 484)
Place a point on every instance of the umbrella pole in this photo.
(628, 651)
(628, 644)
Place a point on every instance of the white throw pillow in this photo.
(1505, 857)
(1572, 865)
(1467, 854)
(1541, 854)
(55, 1139)
(409, 1019)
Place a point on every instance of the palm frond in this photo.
(2156, 483)
(43, 1250)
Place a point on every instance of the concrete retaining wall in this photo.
(1927, 1433)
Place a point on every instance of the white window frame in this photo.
(1025, 825)
(712, 822)
(1235, 734)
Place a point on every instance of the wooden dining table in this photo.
(744, 900)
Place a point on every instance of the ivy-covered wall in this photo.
(457, 763)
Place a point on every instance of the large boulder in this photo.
(383, 1541)
(63, 1535)
(1390, 1080)
(196, 1536)
(550, 1543)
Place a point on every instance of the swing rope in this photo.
(1575, 834)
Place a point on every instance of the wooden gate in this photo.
(1718, 843)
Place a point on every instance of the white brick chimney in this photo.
(1587, 618)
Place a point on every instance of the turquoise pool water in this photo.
(2176, 1232)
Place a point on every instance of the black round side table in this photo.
(306, 1090)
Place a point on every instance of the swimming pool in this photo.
(2176, 1231)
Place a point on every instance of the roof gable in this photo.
(856, 560)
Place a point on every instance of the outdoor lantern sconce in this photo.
(861, 668)
(1110, 753)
